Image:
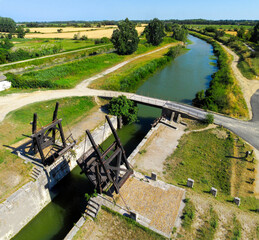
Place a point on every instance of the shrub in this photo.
(209, 118)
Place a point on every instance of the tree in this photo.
(255, 34)
(127, 109)
(20, 32)
(168, 27)
(7, 25)
(125, 38)
(199, 99)
(241, 33)
(180, 33)
(155, 32)
(6, 44)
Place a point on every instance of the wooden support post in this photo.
(55, 114)
(118, 142)
(62, 135)
(34, 123)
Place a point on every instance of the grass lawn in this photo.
(213, 159)
(203, 157)
(113, 226)
(13, 172)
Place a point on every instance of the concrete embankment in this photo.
(22, 206)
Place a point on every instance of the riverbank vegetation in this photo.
(14, 173)
(224, 94)
(133, 76)
(242, 40)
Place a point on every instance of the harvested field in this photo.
(234, 33)
(54, 29)
(91, 33)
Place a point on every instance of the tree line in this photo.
(125, 39)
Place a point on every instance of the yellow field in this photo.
(234, 33)
(66, 29)
(70, 32)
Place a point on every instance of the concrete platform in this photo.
(158, 205)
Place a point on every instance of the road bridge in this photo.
(248, 130)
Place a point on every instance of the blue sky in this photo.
(54, 10)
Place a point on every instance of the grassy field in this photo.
(13, 172)
(113, 226)
(36, 44)
(213, 159)
(70, 74)
(58, 59)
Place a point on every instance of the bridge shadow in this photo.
(25, 151)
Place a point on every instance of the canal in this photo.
(178, 81)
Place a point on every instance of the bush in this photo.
(209, 118)
(102, 40)
(188, 214)
(18, 82)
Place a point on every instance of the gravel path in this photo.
(249, 87)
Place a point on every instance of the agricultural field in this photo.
(90, 33)
(221, 27)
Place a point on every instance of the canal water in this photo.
(179, 81)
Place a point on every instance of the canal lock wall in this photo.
(22, 206)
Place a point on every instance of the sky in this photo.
(65, 10)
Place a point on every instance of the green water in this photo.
(179, 81)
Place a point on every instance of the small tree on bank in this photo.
(125, 38)
(155, 32)
(125, 108)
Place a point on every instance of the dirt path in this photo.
(248, 87)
